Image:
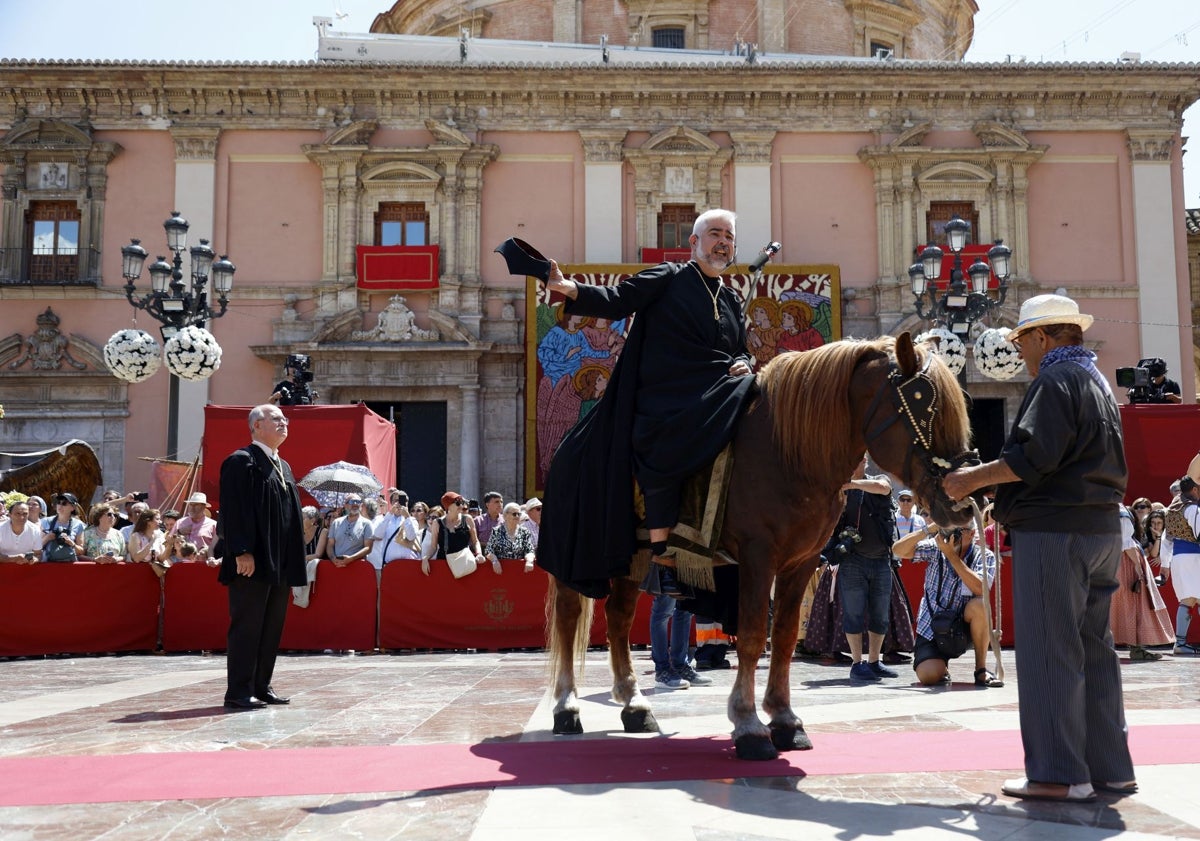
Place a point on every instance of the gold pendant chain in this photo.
(711, 293)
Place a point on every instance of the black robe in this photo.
(261, 514)
(669, 409)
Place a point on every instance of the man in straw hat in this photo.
(1061, 476)
(197, 527)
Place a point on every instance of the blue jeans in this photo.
(865, 587)
(666, 611)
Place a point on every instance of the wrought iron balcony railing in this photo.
(32, 267)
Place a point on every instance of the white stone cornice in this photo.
(838, 94)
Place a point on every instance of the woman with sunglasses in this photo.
(102, 541)
(511, 540)
(1141, 509)
(455, 531)
(425, 518)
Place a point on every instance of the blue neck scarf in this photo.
(1082, 357)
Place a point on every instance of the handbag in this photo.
(950, 633)
(61, 550)
(461, 562)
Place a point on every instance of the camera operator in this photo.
(1163, 390)
(862, 545)
(295, 391)
(951, 618)
(1158, 388)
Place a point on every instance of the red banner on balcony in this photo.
(663, 255)
(385, 268)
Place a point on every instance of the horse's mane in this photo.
(809, 393)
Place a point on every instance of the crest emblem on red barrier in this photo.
(499, 607)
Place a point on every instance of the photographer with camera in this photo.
(62, 532)
(951, 618)
(862, 546)
(295, 391)
(1148, 383)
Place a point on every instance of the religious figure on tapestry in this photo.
(571, 358)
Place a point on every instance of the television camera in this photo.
(1140, 381)
(296, 391)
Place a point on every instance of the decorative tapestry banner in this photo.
(569, 359)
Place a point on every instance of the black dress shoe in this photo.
(269, 697)
(244, 703)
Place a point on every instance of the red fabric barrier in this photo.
(78, 608)
(1160, 441)
(913, 576)
(341, 611)
(482, 610)
(639, 633)
(196, 609)
(317, 435)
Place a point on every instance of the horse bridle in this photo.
(916, 400)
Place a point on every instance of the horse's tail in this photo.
(567, 646)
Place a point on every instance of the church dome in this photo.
(929, 30)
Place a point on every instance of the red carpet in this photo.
(47, 780)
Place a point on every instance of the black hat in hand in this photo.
(523, 259)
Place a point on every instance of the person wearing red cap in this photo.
(456, 531)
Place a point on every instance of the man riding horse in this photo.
(676, 393)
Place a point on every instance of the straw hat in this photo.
(1044, 310)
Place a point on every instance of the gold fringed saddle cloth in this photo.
(695, 538)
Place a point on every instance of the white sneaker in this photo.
(693, 677)
(669, 680)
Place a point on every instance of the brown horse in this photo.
(794, 448)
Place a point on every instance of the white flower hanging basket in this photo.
(995, 355)
(132, 355)
(947, 346)
(193, 354)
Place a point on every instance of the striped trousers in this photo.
(1068, 673)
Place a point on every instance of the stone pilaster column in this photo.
(603, 154)
(752, 194)
(195, 198)
(1154, 233)
(469, 440)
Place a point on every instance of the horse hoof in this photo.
(790, 738)
(755, 747)
(566, 723)
(639, 721)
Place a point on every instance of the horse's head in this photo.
(934, 433)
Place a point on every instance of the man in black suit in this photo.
(262, 539)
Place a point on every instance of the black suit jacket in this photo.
(260, 514)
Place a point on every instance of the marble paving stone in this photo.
(141, 704)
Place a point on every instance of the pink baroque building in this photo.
(361, 196)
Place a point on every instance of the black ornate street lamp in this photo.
(171, 301)
(177, 304)
(959, 307)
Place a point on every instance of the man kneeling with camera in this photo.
(951, 617)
